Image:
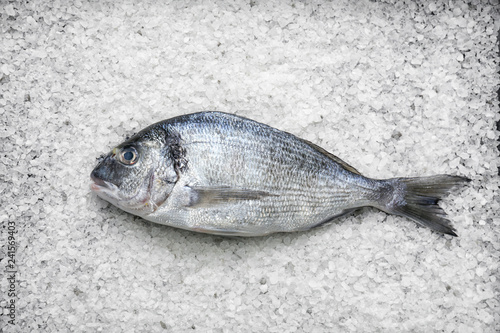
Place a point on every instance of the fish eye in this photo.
(128, 156)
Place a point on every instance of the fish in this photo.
(218, 173)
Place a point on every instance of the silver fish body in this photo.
(223, 174)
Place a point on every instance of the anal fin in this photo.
(331, 218)
(225, 232)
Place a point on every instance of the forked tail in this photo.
(417, 198)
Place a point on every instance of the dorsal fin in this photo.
(333, 157)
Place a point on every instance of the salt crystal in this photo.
(5, 69)
(416, 60)
(273, 278)
(347, 233)
(9, 10)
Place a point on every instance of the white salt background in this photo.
(394, 88)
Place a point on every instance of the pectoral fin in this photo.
(214, 195)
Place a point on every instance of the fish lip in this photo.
(111, 193)
(97, 180)
(99, 185)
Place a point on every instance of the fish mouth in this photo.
(140, 203)
(104, 189)
(99, 184)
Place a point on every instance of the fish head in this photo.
(137, 175)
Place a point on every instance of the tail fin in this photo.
(417, 198)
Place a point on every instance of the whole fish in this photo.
(222, 174)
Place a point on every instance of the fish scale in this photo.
(219, 173)
(250, 144)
